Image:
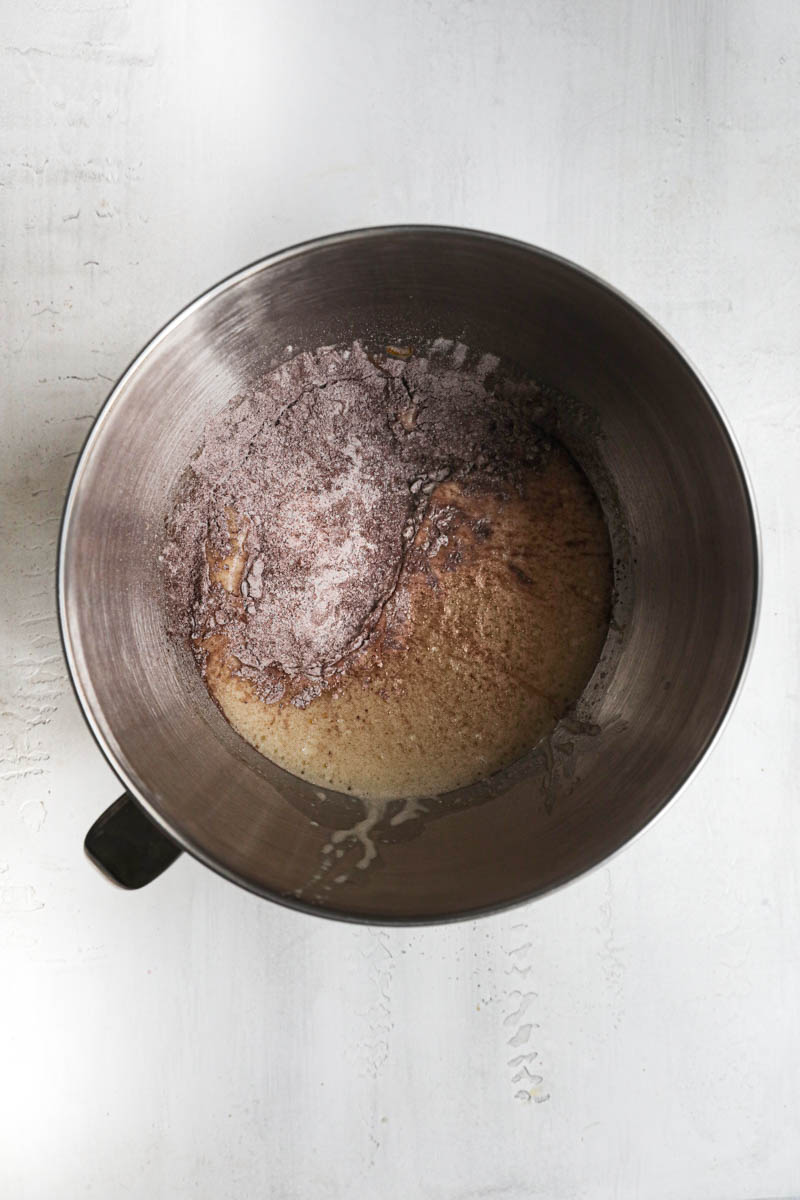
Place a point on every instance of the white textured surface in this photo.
(634, 1035)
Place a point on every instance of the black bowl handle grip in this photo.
(127, 846)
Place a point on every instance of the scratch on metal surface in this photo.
(518, 1026)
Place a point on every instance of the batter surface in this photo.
(405, 617)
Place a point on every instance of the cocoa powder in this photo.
(322, 476)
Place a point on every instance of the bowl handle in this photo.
(127, 846)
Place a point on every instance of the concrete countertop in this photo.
(633, 1035)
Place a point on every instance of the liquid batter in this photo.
(393, 581)
(489, 653)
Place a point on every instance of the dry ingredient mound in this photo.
(320, 478)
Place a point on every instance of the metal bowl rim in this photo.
(300, 248)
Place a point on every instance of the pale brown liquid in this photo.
(491, 654)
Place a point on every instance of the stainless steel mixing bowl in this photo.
(669, 677)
